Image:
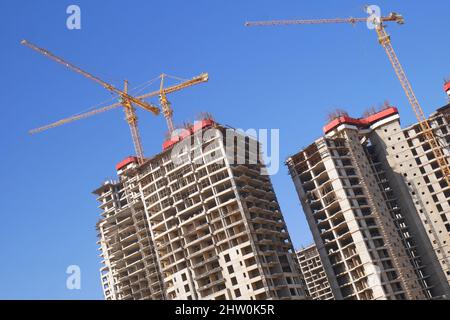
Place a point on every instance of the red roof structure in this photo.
(360, 122)
(447, 87)
(126, 162)
(198, 125)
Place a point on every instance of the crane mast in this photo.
(130, 114)
(385, 42)
(166, 106)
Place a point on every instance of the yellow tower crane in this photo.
(165, 104)
(126, 101)
(385, 41)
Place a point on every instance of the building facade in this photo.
(213, 226)
(418, 184)
(130, 269)
(371, 241)
(314, 276)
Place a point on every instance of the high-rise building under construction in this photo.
(197, 225)
(314, 276)
(378, 206)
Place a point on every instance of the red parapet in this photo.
(184, 133)
(380, 115)
(198, 125)
(169, 143)
(126, 162)
(361, 122)
(447, 87)
(338, 121)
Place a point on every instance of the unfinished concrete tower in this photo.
(371, 246)
(130, 269)
(213, 220)
(314, 275)
(419, 187)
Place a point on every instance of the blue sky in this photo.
(273, 77)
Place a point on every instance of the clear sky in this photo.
(269, 77)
